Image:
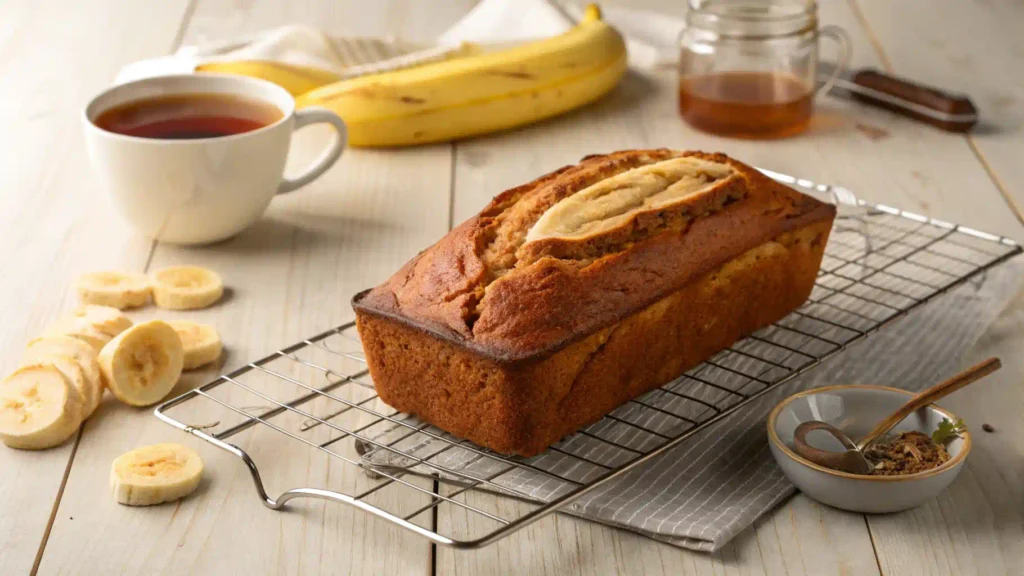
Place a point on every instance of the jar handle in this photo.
(842, 39)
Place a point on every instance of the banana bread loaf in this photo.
(570, 295)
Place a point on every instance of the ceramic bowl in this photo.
(855, 409)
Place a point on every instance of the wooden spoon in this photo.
(853, 459)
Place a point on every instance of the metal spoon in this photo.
(853, 460)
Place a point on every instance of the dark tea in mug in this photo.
(189, 116)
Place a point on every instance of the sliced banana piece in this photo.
(186, 287)
(155, 474)
(92, 324)
(113, 288)
(142, 364)
(62, 345)
(200, 342)
(39, 408)
(89, 393)
(106, 319)
(76, 328)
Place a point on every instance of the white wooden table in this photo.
(294, 273)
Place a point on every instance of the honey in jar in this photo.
(746, 104)
(748, 68)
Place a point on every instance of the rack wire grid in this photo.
(880, 263)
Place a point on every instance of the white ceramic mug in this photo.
(207, 189)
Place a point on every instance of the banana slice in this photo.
(39, 408)
(76, 376)
(79, 330)
(200, 342)
(186, 287)
(155, 474)
(42, 350)
(106, 319)
(112, 288)
(92, 324)
(143, 363)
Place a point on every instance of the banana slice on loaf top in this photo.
(614, 202)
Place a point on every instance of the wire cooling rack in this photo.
(880, 263)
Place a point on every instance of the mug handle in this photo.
(329, 156)
(842, 39)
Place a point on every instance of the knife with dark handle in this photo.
(949, 111)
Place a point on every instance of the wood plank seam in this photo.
(454, 150)
(182, 27)
(887, 64)
(149, 257)
(186, 19)
(433, 520)
(975, 149)
(451, 189)
(985, 164)
(874, 548)
(1014, 207)
(872, 37)
(56, 504)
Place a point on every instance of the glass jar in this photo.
(748, 68)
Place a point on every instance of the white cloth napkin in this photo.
(651, 37)
(650, 40)
(348, 56)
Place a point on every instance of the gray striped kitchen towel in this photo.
(704, 492)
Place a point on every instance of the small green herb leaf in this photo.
(948, 430)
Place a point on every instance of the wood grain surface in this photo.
(292, 276)
(51, 224)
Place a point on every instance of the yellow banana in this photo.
(479, 94)
(295, 79)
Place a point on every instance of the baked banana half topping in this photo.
(612, 202)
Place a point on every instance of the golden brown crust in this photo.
(483, 288)
(524, 407)
(514, 345)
